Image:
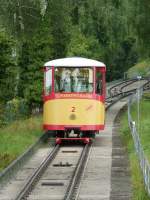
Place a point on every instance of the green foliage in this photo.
(17, 137)
(142, 68)
(34, 53)
(8, 70)
(21, 18)
(83, 46)
(2, 108)
(15, 109)
(125, 57)
(115, 32)
(138, 189)
(142, 24)
(146, 96)
(58, 21)
(144, 126)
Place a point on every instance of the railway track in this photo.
(55, 183)
(57, 176)
(29, 184)
(117, 88)
(62, 177)
(124, 89)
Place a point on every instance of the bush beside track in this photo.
(136, 175)
(17, 137)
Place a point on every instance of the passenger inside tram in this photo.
(71, 79)
(98, 82)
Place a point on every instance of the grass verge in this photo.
(139, 192)
(144, 123)
(142, 68)
(17, 137)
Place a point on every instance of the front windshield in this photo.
(73, 79)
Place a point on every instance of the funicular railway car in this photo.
(74, 98)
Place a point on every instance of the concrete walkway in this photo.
(97, 182)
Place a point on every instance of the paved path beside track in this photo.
(98, 179)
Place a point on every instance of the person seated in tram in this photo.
(80, 82)
(76, 83)
(65, 81)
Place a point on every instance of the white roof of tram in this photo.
(74, 62)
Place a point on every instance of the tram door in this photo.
(100, 82)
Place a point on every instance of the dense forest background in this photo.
(32, 32)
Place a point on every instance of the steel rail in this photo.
(83, 173)
(77, 173)
(122, 95)
(133, 81)
(122, 84)
(127, 82)
(36, 175)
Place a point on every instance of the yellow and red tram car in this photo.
(74, 96)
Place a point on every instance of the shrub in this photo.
(16, 109)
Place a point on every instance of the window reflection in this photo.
(73, 79)
(48, 81)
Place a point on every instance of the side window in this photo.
(48, 81)
(98, 82)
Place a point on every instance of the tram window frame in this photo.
(99, 82)
(48, 81)
(89, 85)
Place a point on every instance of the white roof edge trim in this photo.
(74, 62)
